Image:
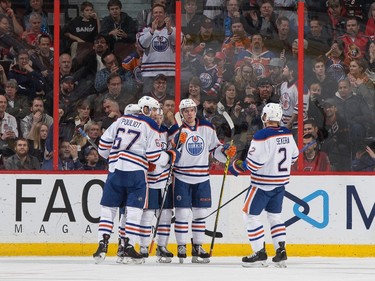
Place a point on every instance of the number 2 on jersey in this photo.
(118, 138)
(282, 151)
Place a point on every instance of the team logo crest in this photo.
(160, 43)
(206, 80)
(195, 145)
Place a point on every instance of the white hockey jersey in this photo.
(288, 100)
(201, 140)
(157, 179)
(131, 142)
(159, 52)
(271, 154)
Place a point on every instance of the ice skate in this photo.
(120, 252)
(181, 253)
(143, 250)
(280, 257)
(199, 255)
(163, 255)
(131, 255)
(101, 252)
(258, 259)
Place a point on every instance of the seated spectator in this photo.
(275, 68)
(18, 106)
(21, 160)
(65, 65)
(36, 116)
(194, 92)
(370, 56)
(315, 104)
(245, 79)
(314, 160)
(281, 44)
(119, 26)
(37, 7)
(168, 111)
(365, 159)
(111, 64)
(213, 8)
(118, 92)
(208, 35)
(37, 142)
(132, 66)
(232, 13)
(92, 160)
(191, 20)
(337, 16)
(361, 83)
(318, 38)
(82, 29)
(46, 56)
(111, 111)
(159, 90)
(68, 158)
(8, 125)
(6, 9)
(335, 66)
(29, 80)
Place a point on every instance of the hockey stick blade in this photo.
(211, 233)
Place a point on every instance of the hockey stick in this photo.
(84, 134)
(180, 125)
(231, 125)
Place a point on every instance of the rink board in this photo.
(57, 215)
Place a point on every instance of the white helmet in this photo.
(148, 102)
(186, 103)
(132, 108)
(271, 112)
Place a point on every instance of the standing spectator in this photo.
(264, 195)
(158, 43)
(22, 160)
(6, 9)
(144, 17)
(314, 160)
(337, 15)
(37, 142)
(83, 28)
(315, 105)
(275, 68)
(36, 116)
(191, 20)
(258, 55)
(37, 7)
(282, 42)
(354, 41)
(119, 26)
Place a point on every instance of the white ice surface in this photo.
(220, 269)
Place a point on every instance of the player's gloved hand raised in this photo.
(179, 138)
(237, 167)
(229, 150)
(151, 167)
(174, 155)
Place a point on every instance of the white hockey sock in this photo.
(121, 228)
(278, 230)
(132, 226)
(107, 216)
(146, 222)
(181, 225)
(198, 227)
(255, 231)
(164, 228)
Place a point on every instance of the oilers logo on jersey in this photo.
(195, 145)
(160, 43)
(206, 80)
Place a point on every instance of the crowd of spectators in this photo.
(236, 55)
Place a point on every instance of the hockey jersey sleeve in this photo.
(144, 39)
(106, 140)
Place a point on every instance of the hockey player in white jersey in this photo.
(157, 179)
(192, 190)
(129, 144)
(270, 157)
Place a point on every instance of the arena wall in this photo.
(58, 214)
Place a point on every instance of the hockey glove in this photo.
(182, 137)
(229, 150)
(151, 167)
(237, 167)
(174, 156)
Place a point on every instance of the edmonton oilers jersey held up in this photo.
(270, 169)
(131, 142)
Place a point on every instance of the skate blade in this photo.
(200, 260)
(280, 264)
(255, 264)
(120, 260)
(164, 260)
(181, 260)
(133, 261)
(99, 258)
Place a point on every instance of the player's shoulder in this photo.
(163, 129)
(270, 132)
(173, 129)
(142, 119)
(204, 123)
